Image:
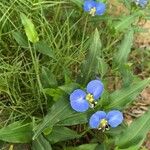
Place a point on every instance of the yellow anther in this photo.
(103, 123)
(92, 11)
(89, 98)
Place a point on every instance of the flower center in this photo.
(92, 11)
(90, 99)
(103, 125)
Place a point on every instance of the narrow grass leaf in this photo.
(17, 132)
(122, 97)
(41, 144)
(3, 85)
(29, 27)
(135, 133)
(61, 134)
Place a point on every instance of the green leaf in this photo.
(20, 39)
(125, 48)
(135, 147)
(59, 111)
(17, 132)
(90, 67)
(126, 21)
(122, 97)
(48, 79)
(78, 2)
(68, 88)
(77, 118)
(41, 144)
(57, 94)
(29, 27)
(43, 48)
(127, 74)
(102, 67)
(135, 133)
(83, 147)
(61, 134)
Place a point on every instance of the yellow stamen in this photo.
(89, 98)
(103, 123)
(92, 11)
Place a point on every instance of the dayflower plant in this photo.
(94, 8)
(81, 101)
(101, 120)
(142, 3)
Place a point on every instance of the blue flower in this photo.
(80, 100)
(142, 3)
(94, 8)
(101, 120)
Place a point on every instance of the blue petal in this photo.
(115, 118)
(96, 118)
(142, 3)
(100, 8)
(88, 5)
(78, 101)
(95, 87)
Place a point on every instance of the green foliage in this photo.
(90, 65)
(84, 147)
(74, 119)
(43, 48)
(131, 137)
(125, 22)
(59, 111)
(41, 144)
(20, 38)
(125, 47)
(126, 95)
(47, 78)
(17, 132)
(30, 31)
(102, 67)
(78, 2)
(61, 134)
